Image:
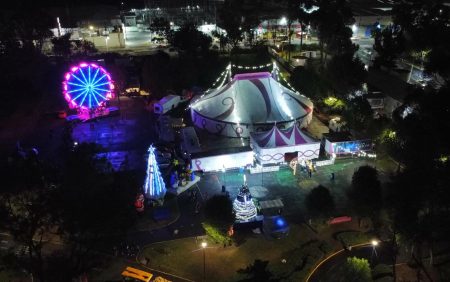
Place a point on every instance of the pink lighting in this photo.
(77, 86)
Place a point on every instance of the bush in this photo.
(381, 270)
(216, 234)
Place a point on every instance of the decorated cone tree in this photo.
(154, 187)
(243, 206)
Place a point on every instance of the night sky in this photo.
(65, 3)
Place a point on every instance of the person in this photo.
(310, 173)
(223, 189)
(332, 176)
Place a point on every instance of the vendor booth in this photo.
(340, 144)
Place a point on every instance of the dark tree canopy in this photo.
(331, 21)
(319, 201)
(358, 113)
(426, 25)
(161, 27)
(309, 82)
(189, 39)
(388, 45)
(365, 192)
(62, 46)
(219, 210)
(345, 73)
(231, 16)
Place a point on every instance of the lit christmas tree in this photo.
(154, 187)
(243, 206)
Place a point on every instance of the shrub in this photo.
(216, 234)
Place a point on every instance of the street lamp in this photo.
(106, 42)
(204, 245)
(224, 176)
(354, 30)
(91, 28)
(374, 250)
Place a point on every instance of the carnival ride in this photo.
(87, 87)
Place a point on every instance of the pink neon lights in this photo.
(79, 87)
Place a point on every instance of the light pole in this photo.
(204, 245)
(106, 42)
(374, 250)
(224, 176)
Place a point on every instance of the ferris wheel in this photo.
(87, 86)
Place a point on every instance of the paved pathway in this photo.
(377, 255)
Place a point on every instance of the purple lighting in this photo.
(87, 86)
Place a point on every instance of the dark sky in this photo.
(64, 3)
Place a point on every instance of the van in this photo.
(167, 103)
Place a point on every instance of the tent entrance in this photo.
(290, 156)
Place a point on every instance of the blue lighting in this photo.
(154, 186)
(280, 222)
(88, 86)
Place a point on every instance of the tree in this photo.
(189, 39)
(331, 20)
(93, 202)
(388, 45)
(346, 73)
(365, 192)
(257, 272)
(425, 28)
(319, 201)
(309, 82)
(219, 218)
(251, 21)
(303, 17)
(219, 209)
(223, 39)
(161, 27)
(32, 26)
(231, 15)
(26, 202)
(355, 270)
(358, 113)
(85, 48)
(62, 46)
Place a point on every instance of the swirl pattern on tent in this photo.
(251, 102)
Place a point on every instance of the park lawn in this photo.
(184, 258)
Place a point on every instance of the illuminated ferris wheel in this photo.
(87, 87)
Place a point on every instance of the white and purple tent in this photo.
(251, 102)
(271, 147)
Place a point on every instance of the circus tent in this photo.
(272, 146)
(250, 102)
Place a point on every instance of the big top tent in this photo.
(250, 102)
